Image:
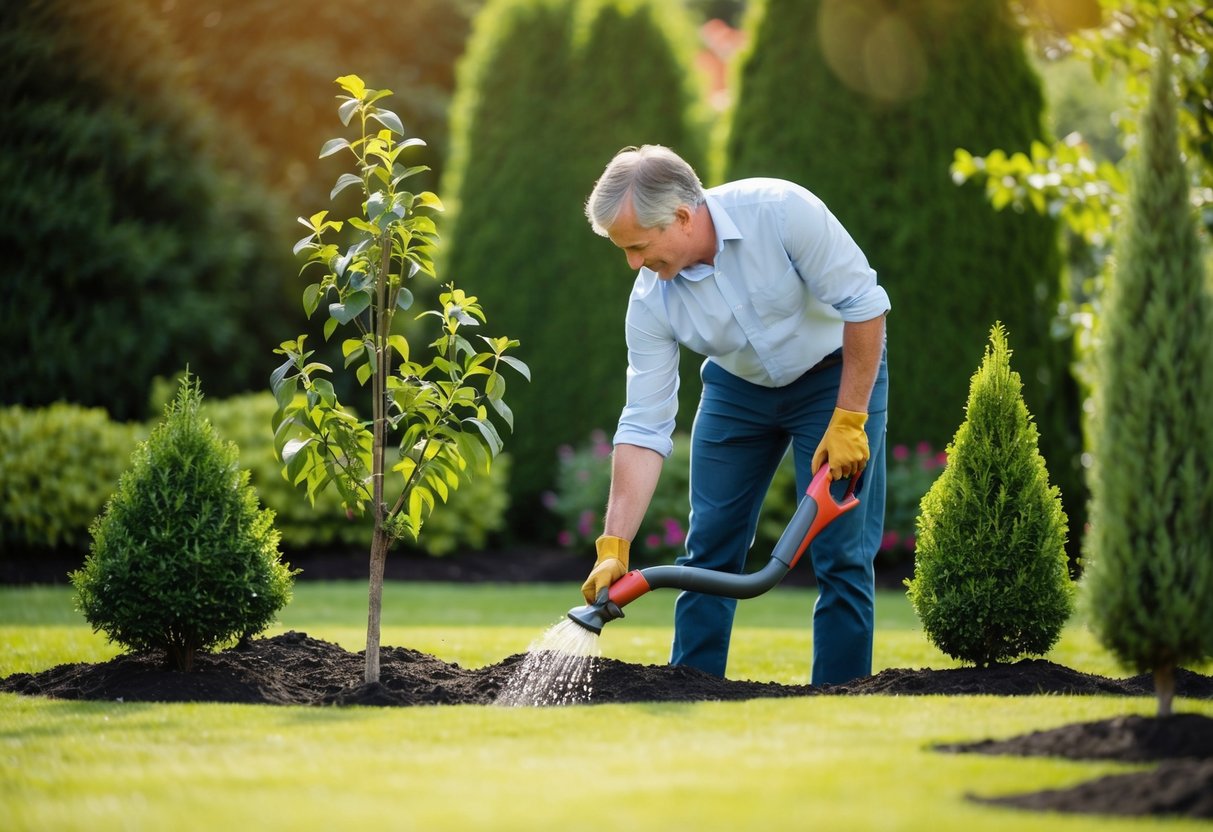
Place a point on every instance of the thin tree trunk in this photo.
(379, 547)
(1164, 687)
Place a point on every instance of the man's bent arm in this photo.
(634, 474)
(862, 348)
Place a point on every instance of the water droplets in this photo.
(558, 669)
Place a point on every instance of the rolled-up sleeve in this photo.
(652, 382)
(828, 260)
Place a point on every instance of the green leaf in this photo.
(344, 181)
(364, 372)
(400, 344)
(388, 119)
(503, 410)
(347, 109)
(518, 365)
(491, 437)
(279, 375)
(404, 298)
(311, 299)
(355, 304)
(330, 326)
(332, 146)
(425, 199)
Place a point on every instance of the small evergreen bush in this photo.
(58, 466)
(183, 558)
(991, 581)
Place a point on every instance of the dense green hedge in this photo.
(128, 252)
(59, 465)
(866, 112)
(548, 91)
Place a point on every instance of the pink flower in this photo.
(674, 535)
(901, 453)
(583, 475)
(890, 540)
(924, 448)
(941, 459)
(652, 541)
(585, 523)
(910, 542)
(549, 500)
(565, 538)
(602, 448)
(565, 452)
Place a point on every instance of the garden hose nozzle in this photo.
(815, 512)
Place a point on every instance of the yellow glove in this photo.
(612, 564)
(844, 446)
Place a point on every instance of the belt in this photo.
(831, 360)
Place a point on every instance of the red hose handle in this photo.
(828, 509)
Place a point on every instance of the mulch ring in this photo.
(294, 669)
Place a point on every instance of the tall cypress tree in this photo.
(549, 90)
(864, 103)
(1149, 576)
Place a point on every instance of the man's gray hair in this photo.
(658, 180)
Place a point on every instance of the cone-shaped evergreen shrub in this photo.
(548, 91)
(865, 103)
(183, 558)
(991, 581)
(1149, 556)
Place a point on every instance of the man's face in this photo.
(666, 251)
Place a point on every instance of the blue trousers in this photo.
(740, 435)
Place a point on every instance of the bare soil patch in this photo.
(295, 669)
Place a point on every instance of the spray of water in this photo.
(558, 669)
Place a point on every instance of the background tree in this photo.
(183, 557)
(130, 253)
(1149, 571)
(267, 65)
(883, 93)
(548, 92)
(990, 575)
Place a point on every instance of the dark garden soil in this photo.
(294, 669)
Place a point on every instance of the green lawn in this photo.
(812, 763)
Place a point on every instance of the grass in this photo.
(819, 762)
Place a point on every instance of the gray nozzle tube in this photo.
(745, 585)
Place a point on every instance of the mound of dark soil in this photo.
(1182, 784)
(294, 669)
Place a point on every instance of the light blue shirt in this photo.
(785, 277)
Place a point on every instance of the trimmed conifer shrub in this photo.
(1148, 558)
(183, 558)
(864, 103)
(548, 91)
(991, 581)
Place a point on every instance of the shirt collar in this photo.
(726, 229)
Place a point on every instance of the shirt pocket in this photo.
(780, 298)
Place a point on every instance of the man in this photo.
(760, 277)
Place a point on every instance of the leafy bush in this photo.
(58, 466)
(183, 558)
(583, 480)
(472, 513)
(991, 580)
